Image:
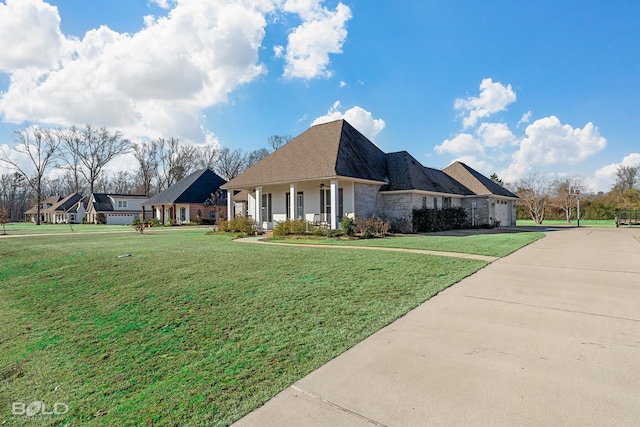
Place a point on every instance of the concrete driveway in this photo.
(549, 335)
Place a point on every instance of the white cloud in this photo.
(481, 166)
(605, 177)
(164, 4)
(29, 35)
(526, 118)
(322, 32)
(343, 84)
(487, 135)
(548, 142)
(154, 82)
(278, 51)
(494, 97)
(461, 144)
(358, 117)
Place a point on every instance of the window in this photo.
(424, 202)
(183, 214)
(435, 203)
(325, 204)
(122, 203)
(446, 202)
(212, 214)
(267, 212)
(299, 205)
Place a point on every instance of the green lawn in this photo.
(192, 328)
(499, 245)
(574, 223)
(26, 228)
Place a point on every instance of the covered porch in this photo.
(321, 201)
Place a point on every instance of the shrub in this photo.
(430, 220)
(138, 225)
(289, 227)
(348, 226)
(371, 227)
(197, 220)
(100, 218)
(238, 225)
(155, 222)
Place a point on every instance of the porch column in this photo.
(258, 215)
(229, 204)
(292, 202)
(174, 214)
(162, 214)
(334, 204)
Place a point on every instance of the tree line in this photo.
(543, 197)
(80, 156)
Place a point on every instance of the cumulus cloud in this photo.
(526, 118)
(321, 32)
(157, 81)
(29, 35)
(548, 142)
(487, 135)
(494, 97)
(605, 177)
(358, 117)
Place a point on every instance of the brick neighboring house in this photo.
(119, 209)
(196, 194)
(332, 170)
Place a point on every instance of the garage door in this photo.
(119, 219)
(502, 212)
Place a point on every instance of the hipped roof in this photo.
(475, 181)
(323, 151)
(194, 188)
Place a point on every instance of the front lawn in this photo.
(191, 328)
(498, 245)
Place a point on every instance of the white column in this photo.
(292, 202)
(258, 215)
(229, 204)
(334, 204)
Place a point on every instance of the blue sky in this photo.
(507, 87)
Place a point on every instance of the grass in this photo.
(605, 223)
(192, 328)
(499, 245)
(29, 229)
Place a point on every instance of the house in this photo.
(68, 210)
(32, 214)
(120, 209)
(332, 170)
(198, 194)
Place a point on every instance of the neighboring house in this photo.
(68, 210)
(332, 170)
(198, 194)
(120, 209)
(32, 214)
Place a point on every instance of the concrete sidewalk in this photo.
(549, 335)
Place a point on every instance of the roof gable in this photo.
(66, 203)
(406, 173)
(322, 151)
(194, 188)
(475, 181)
(104, 201)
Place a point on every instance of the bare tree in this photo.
(627, 178)
(207, 156)
(534, 191)
(562, 195)
(177, 160)
(254, 157)
(230, 164)
(15, 195)
(72, 162)
(95, 148)
(122, 183)
(40, 146)
(4, 219)
(147, 156)
(277, 141)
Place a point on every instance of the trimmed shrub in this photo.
(348, 226)
(288, 227)
(238, 225)
(430, 220)
(371, 227)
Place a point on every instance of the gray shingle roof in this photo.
(406, 173)
(475, 181)
(66, 203)
(102, 202)
(195, 188)
(322, 151)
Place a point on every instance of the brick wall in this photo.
(367, 200)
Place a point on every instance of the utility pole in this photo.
(578, 205)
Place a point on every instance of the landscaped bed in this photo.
(191, 328)
(499, 244)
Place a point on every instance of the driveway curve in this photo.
(549, 335)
